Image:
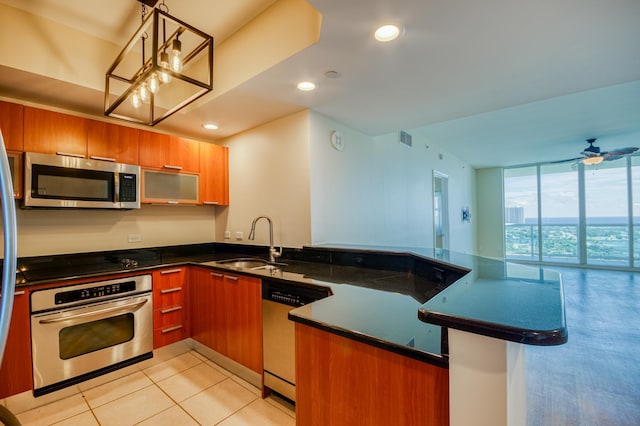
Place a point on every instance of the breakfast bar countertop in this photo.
(399, 299)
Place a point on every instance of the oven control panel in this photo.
(70, 296)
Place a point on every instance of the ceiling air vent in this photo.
(405, 139)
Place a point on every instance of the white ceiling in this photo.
(498, 82)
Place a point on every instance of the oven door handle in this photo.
(131, 307)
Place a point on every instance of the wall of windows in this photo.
(574, 214)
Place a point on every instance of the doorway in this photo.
(440, 211)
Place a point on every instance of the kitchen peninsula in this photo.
(396, 328)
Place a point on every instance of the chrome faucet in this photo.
(273, 253)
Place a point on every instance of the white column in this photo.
(487, 381)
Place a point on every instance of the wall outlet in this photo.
(134, 238)
(227, 235)
(239, 235)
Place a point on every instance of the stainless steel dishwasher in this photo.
(278, 298)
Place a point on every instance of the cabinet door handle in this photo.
(170, 271)
(170, 329)
(210, 203)
(231, 277)
(170, 290)
(96, 157)
(217, 275)
(69, 154)
(19, 293)
(170, 167)
(173, 202)
(169, 310)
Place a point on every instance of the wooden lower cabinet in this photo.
(340, 381)
(170, 306)
(16, 373)
(226, 315)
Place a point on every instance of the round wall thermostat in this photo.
(337, 140)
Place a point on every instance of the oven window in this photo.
(95, 335)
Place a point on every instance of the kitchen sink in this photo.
(250, 263)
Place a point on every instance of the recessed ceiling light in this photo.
(306, 86)
(210, 126)
(387, 33)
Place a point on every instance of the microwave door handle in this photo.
(116, 187)
(132, 307)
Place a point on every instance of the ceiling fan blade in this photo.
(621, 151)
(577, 159)
(609, 157)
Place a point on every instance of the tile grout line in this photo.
(239, 409)
(176, 403)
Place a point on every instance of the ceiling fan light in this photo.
(590, 161)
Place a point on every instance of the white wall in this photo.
(490, 212)
(378, 192)
(43, 232)
(269, 175)
(374, 192)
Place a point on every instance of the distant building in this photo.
(513, 215)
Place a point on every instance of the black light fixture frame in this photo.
(151, 65)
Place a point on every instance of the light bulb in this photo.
(176, 53)
(144, 92)
(154, 83)
(135, 100)
(165, 77)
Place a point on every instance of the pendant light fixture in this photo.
(178, 69)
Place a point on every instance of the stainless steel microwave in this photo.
(64, 181)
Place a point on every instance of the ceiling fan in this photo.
(592, 154)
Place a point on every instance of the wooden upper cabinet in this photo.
(11, 121)
(214, 174)
(111, 142)
(185, 153)
(169, 153)
(154, 149)
(54, 133)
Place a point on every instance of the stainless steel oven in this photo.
(82, 331)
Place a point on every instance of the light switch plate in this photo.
(134, 238)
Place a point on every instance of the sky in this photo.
(605, 189)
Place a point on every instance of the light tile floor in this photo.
(176, 389)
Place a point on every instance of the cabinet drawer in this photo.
(169, 286)
(170, 334)
(164, 317)
(168, 278)
(168, 297)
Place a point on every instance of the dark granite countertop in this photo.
(494, 298)
(397, 299)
